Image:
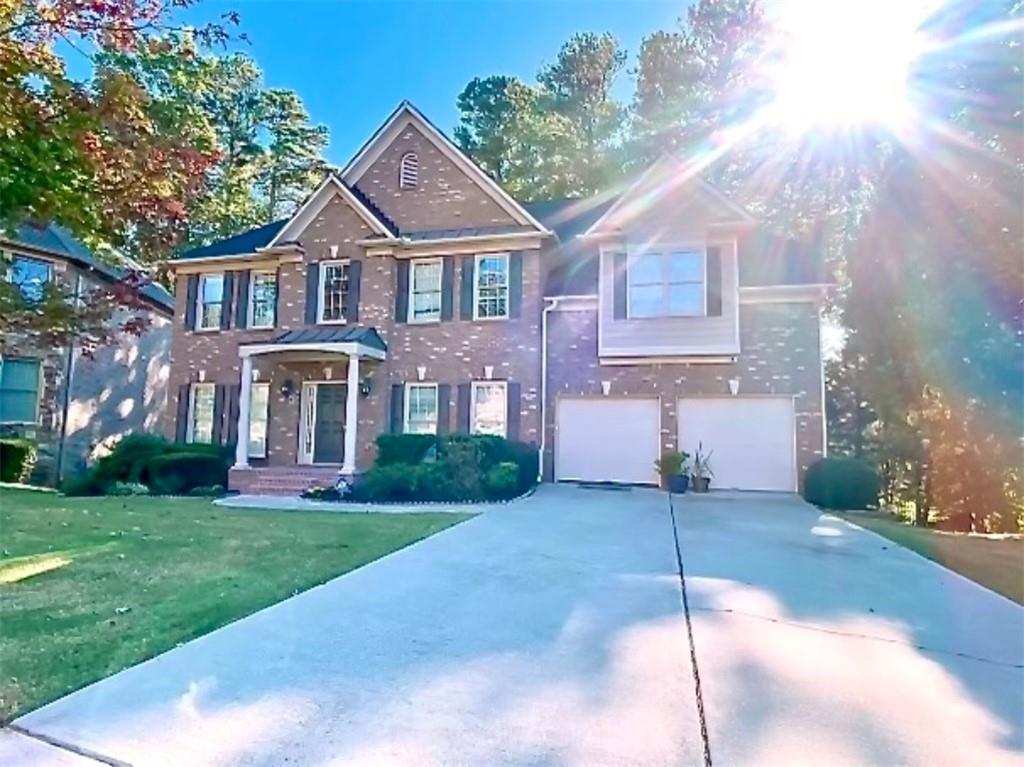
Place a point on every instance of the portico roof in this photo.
(346, 340)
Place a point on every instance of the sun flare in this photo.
(847, 63)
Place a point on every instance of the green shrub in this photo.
(394, 482)
(842, 483)
(16, 458)
(207, 491)
(81, 485)
(330, 493)
(127, 488)
(177, 473)
(502, 480)
(403, 448)
(125, 460)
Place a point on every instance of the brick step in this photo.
(285, 480)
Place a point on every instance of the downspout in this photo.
(552, 303)
(69, 371)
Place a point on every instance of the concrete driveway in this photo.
(551, 632)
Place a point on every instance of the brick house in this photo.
(410, 293)
(73, 406)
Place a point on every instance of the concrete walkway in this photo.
(550, 632)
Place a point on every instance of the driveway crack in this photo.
(698, 692)
(66, 746)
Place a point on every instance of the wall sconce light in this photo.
(366, 386)
(421, 372)
(606, 387)
(734, 386)
(488, 372)
(288, 388)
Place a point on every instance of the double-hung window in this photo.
(259, 410)
(19, 390)
(30, 275)
(667, 284)
(489, 408)
(421, 408)
(262, 299)
(333, 291)
(491, 288)
(210, 301)
(201, 407)
(425, 291)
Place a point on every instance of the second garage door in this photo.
(607, 439)
(751, 439)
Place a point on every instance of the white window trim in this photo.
(476, 286)
(250, 310)
(472, 404)
(39, 391)
(321, 280)
(192, 390)
(199, 328)
(266, 417)
(408, 400)
(663, 251)
(410, 310)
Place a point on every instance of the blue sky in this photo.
(352, 62)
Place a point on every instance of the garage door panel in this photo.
(751, 440)
(607, 439)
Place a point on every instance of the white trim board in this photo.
(406, 114)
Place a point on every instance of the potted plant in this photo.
(702, 472)
(674, 471)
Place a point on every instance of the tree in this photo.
(293, 163)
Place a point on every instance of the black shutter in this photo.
(402, 292)
(397, 408)
(714, 282)
(242, 302)
(312, 291)
(466, 289)
(515, 284)
(181, 427)
(447, 286)
(231, 414)
(227, 300)
(277, 296)
(191, 296)
(355, 277)
(619, 276)
(463, 408)
(219, 394)
(444, 395)
(513, 396)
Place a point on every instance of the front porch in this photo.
(301, 400)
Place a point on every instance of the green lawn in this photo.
(995, 563)
(89, 586)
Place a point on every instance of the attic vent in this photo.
(409, 171)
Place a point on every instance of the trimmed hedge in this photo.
(177, 473)
(456, 467)
(842, 483)
(16, 458)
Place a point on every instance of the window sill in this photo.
(341, 321)
(432, 321)
(491, 319)
(207, 330)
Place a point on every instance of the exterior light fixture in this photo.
(734, 386)
(606, 387)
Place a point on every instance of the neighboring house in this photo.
(410, 293)
(75, 406)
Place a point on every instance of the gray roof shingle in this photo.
(246, 242)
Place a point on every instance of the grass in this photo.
(997, 563)
(89, 586)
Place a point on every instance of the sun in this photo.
(845, 64)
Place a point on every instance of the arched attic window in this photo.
(409, 171)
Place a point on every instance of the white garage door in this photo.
(752, 440)
(607, 439)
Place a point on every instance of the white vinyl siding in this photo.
(489, 408)
(490, 287)
(210, 301)
(201, 407)
(420, 409)
(425, 290)
(262, 299)
(333, 291)
(259, 410)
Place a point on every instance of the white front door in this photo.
(751, 440)
(607, 439)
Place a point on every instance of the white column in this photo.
(351, 416)
(244, 404)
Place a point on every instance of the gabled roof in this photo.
(666, 175)
(55, 240)
(405, 114)
(331, 185)
(246, 242)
